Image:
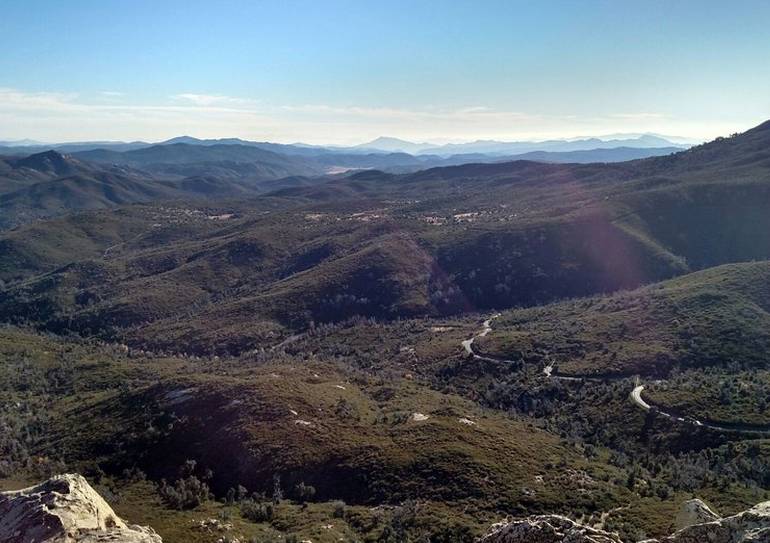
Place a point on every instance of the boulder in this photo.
(64, 509)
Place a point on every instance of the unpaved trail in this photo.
(106, 252)
(606, 515)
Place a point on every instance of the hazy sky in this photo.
(341, 72)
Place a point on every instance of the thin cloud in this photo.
(55, 116)
(465, 113)
(213, 100)
(638, 116)
(12, 98)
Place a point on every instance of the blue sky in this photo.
(343, 72)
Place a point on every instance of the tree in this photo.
(304, 493)
(277, 490)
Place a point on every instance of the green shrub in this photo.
(187, 493)
(338, 510)
(256, 511)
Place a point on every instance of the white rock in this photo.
(546, 529)
(64, 509)
(752, 526)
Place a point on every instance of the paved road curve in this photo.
(636, 393)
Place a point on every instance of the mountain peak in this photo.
(389, 139)
(181, 139)
(394, 145)
(48, 155)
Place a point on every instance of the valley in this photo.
(428, 351)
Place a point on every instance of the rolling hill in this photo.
(20, 172)
(712, 318)
(436, 242)
(50, 184)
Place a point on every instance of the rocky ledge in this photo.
(546, 529)
(696, 522)
(64, 509)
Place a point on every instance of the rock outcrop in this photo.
(699, 525)
(546, 529)
(694, 512)
(752, 526)
(64, 509)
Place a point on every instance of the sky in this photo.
(342, 72)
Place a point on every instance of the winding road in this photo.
(487, 328)
(635, 396)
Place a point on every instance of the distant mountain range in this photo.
(614, 154)
(501, 148)
(228, 158)
(93, 175)
(40, 180)
(234, 157)
(381, 145)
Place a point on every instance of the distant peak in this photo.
(391, 144)
(389, 139)
(49, 156)
(51, 162)
(180, 139)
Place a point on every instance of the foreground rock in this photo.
(547, 529)
(699, 525)
(752, 526)
(64, 509)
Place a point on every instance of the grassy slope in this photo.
(702, 319)
(97, 405)
(724, 395)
